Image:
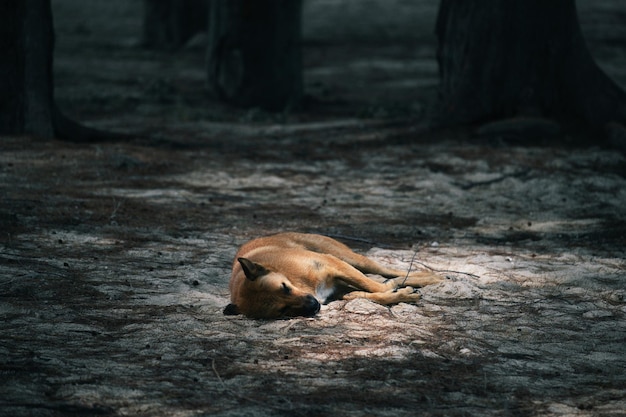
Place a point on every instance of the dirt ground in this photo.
(115, 257)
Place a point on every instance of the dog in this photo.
(290, 274)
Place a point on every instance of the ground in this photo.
(115, 257)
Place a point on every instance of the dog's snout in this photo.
(311, 305)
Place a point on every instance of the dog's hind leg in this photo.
(324, 244)
(401, 295)
(400, 278)
(327, 245)
(365, 287)
(418, 279)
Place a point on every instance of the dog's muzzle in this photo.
(311, 306)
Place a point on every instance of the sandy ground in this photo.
(115, 257)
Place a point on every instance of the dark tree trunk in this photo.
(168, 24)
(254, 57)
(502, 58)
(26, 68)
(26, 82)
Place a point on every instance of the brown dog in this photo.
(289, 274)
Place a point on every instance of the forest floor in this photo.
(115, 257)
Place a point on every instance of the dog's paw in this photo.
(404, 290)
(420, 279)
(351, 296)
(406, 295)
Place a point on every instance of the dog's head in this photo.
(268, 294)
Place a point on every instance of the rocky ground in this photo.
(115, 257)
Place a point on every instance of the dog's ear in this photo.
(231, 310)
(251, 269)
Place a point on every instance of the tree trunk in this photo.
(254, 57)
(502, 58)
(168, 24)
(26, 68)
(26, 81)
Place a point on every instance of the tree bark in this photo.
(503, 58)
(254, 57)
(26, 68)
(168, 24)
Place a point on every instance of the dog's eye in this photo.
(286, 289)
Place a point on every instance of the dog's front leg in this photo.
(401, 295)
(380, 292)
(417, 279)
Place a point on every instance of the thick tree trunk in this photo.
(26, 68)
(26, 82)
(503, 58)
(254, 57)
(168, 24)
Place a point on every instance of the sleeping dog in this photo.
(290, 274)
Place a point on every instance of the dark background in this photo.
(366, 59)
